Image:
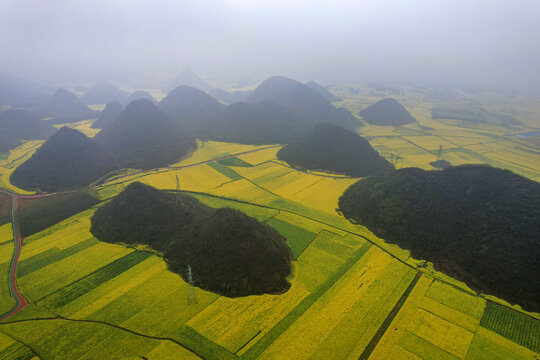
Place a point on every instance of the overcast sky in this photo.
(472, 42)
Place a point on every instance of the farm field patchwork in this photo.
(119, 302)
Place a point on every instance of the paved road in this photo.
(20, 301)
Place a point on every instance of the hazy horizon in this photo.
(481, 43)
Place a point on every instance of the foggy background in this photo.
(491, 43)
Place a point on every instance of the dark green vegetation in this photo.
(17, 351)
(143, 137)
(38, 214)
(234, 161)
(188, 78)
(229, 97)
(108, 115)
(229, 252)
(228, 172)
(260, 123)
(67, 160)
(302, 237)
(194, 109)
(440, 164)
(478, 224)
(91, 281)
(332, 148)
(303, 101)
(475, 116)
(103, 93)
(142, 214)
(322, 91)
(64, 107)
(513, 325)
(138, 95)
(5, 209)
(387, 112)
(16, 125)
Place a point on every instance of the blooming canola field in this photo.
(353, 296)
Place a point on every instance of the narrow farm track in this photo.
(20, 301)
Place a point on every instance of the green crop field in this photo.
(352, 294)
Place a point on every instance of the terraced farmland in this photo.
(352, 295)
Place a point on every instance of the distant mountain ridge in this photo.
(103, 93)
(65, 107)
(143, 137)
(387, 112)
(188, 78)
(302, 100)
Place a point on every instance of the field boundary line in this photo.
(389, 318)
(59, 317)
(362, 236)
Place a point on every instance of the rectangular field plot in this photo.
(211, 150)
(344, 319)
(236, 324)
(488, 345)
(441, 333)
(513, 325)
(91, 281)
(457, 299)
(259, 157)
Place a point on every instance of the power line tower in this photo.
(395, 159)
(177, 191)
(439, 152)
(191, 297)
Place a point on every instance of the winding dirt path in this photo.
(20, 301)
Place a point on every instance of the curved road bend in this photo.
(20, 301)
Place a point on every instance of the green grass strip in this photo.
(386, 323)
(50, 256)
(202, 346)
(301, 308)
(298, 238)
(234, 161)
(16, 351)
(228, 172)
(91, 281)
(513, 325)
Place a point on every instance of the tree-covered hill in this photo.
(17, 125)
(65, 107)
(387, 112)
(67, 160)
(229, 253)
(107, 115)
(260, 123)
(476, 223)
(143, 137)
(332, 148)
